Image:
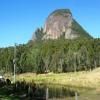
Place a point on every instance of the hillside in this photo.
(56, 56)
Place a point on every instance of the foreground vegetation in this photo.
(4, 95)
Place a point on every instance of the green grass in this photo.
(78, 79)
(4, 95)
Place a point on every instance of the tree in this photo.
(39, 34)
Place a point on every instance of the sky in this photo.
(20, 18)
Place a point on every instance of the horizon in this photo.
(20, 18)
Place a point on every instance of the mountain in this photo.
(61, 23)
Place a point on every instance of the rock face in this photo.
(61, 23)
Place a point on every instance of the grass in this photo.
(4, 95)
(73, 79)
(88, 83)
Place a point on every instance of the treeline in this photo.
(52, 56)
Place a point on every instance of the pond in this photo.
(53, 92)
(22, 91)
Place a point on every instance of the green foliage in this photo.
(79, 30)
(39, 34)
(52, 56)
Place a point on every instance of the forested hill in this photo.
(52, 56)
(61, 46)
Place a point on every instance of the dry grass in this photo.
(78, 79)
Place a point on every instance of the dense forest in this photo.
(57, 56)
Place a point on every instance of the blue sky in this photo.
(20, 18)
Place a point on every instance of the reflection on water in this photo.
(27, 91)
(45, 93)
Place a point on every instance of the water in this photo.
(56, 93)
(65, 93)
(23, 91)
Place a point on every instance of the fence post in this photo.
(76, 97)
(47, 94)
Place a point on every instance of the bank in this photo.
(89, 79)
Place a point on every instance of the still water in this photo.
(65, 93)
(54, 93)
(21, 91)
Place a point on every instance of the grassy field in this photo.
(74, 79)
(87, 84)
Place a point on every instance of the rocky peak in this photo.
(61, 22)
